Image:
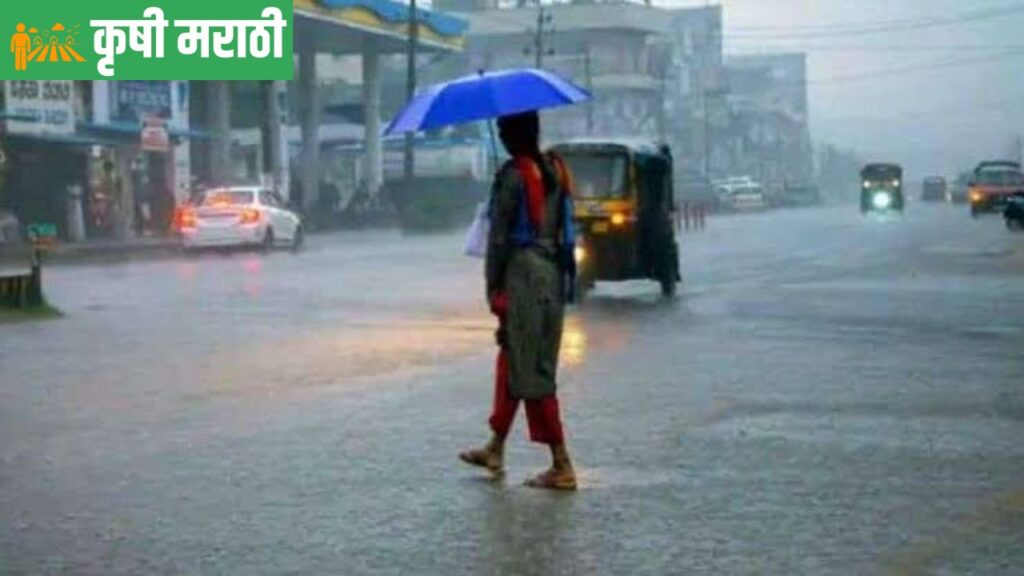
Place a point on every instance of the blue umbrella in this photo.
(485, 96)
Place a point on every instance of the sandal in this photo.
(483, 458)
(553, 479)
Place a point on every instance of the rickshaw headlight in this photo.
(881, 200)
(580, 253)
(618, 219)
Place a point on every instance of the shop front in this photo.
(145, 162)
(45, 160)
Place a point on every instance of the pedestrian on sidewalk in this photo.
(526, 269)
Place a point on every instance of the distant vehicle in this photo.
(625, 211)
(881, 188)
(992, 184)
(934, 189)
(958, 192)
(740, 194)
(1014, 212)
(239, 216)
(806, 195)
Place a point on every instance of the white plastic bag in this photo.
(476, 236)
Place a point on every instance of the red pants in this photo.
(542, 414)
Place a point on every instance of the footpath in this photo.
(15, 257)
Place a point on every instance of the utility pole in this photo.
(588, 73)
(706, 93)
(541, 44)
(410, 89)
(274, 158)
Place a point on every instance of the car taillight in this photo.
(250, 216)
(186, 219)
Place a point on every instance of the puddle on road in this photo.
(332, 357)
(609, 478)
(967, 434)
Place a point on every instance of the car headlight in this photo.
(881, 200)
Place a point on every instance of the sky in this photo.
(935, 96)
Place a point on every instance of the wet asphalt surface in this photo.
(828, 395)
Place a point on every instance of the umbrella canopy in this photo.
(484, 96)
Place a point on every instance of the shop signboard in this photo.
(137, 100)
(38, 107)
(154, 135)
(43, 235)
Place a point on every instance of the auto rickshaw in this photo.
(625, 212)
(881, 188)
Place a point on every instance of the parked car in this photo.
(239, 216)
(741, 194)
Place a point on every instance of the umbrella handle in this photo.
(490, 133)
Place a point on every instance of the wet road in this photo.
(828, 396)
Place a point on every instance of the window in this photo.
(599, 175)
(233, 197)
(1000, 178)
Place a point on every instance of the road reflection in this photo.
(574, 341)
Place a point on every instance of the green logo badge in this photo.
(148, 40)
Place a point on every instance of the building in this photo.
(654, 72)
(768, 136)
(98, 159)
(128, 152)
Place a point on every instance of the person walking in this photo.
(529, 256)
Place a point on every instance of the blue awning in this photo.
(69, 139)
(398, 13)
(17, 117)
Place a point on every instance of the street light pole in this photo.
(410, 87)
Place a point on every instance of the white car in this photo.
(239, 216)
(749, 199)
(741, 194)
